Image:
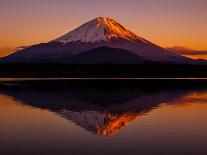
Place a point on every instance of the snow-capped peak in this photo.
(97, 30)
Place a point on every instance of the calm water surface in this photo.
(94, 120)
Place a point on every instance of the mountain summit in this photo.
(99, 41)
(99, 29)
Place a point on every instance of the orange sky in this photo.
(165, 22)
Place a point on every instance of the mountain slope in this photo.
(99, 29)
(104, 55)
(100, 32)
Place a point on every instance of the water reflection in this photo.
(104, 111)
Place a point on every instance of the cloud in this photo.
(4, 51)
(21, 48)
(187, 51)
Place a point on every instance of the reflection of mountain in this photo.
(102, 112)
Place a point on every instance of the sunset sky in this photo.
(167, 23)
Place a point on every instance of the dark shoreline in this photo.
(102, 71)
(106, 84)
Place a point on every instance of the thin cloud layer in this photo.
(198, 54)
(5, 51)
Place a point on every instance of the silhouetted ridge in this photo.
(104, 55)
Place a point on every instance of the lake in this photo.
(62, 116)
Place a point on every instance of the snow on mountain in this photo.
(99, 29)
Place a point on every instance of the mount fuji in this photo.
(99, 41)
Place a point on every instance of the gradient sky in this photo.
(164, 22)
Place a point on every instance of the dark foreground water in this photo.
(167, 118)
